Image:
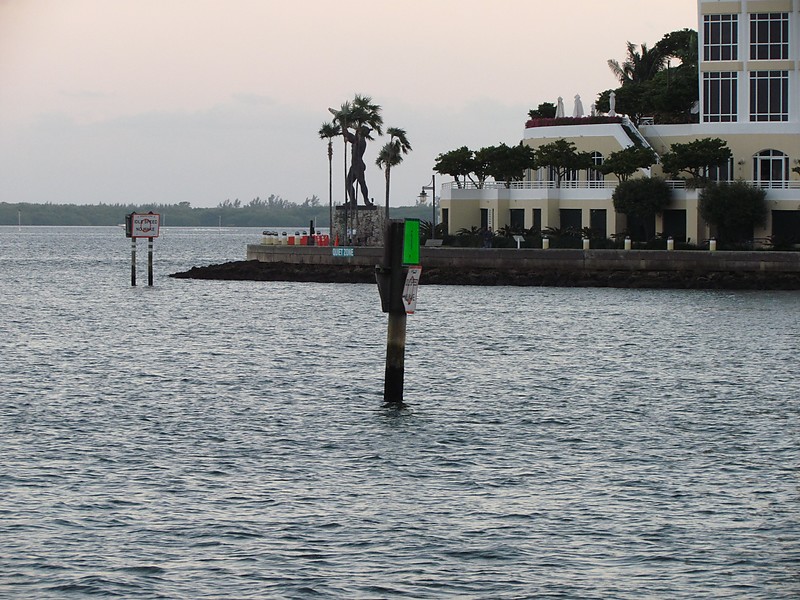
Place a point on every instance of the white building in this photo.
(749, 89)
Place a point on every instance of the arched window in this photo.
(593, 175)
(771, 169)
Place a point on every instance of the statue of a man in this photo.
(358, 167)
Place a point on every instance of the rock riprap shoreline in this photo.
(254, 270)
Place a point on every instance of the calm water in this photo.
(204, 439)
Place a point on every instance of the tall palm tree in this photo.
(342, 118)
(391, 155)
(639, 65)
(330, 131)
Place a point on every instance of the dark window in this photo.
(769, 96)
(786, 226)
(723, 172)
(537, 219)
(597, 222)
(769, 36)
(594, 176)
(720, 33)
(571, 219)
(719, 97)
(517, 220)
(484, 218)
(446, 221)
(675, 225)
(771, 169)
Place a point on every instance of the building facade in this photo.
(749, 96)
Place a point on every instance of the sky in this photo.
(202, 101)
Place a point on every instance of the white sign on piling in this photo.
(410, 289)
(145, 225)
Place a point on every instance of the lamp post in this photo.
(423, 197)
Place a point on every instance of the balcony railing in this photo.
(676, 184)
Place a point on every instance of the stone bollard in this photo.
(545, 243)
(712, 245)
(586, 243)
(670, 243)
(627, 243)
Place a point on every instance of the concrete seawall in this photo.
(544, 261)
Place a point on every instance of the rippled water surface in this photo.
(228, 440)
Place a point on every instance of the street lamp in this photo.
(423, 197)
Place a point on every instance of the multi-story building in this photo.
(749, 96)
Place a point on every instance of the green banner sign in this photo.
(411, 242)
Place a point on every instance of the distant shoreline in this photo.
(254, 270)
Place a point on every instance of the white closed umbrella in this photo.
(578, 111)
(560, 108)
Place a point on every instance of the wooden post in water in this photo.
(133, 262)
(150, 261)
(390, 284)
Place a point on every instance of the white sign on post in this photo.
(145, 225)
(410, 289)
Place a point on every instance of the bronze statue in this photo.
(358, 167)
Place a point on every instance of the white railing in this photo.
(675, 184)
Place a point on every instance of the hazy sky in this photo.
(207, 100)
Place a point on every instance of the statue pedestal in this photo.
(366, 225)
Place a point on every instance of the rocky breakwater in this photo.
(504, 272)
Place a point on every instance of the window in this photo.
(517, 219)
(594, 176)
(786, 226)
(537, 219)
(674, 222)
(720, 33)
(769, 36)
(769, 96)
(597, 222)
(719, 97)
(723, 172)
(771, 169)
(571, 219)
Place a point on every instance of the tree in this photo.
(562, 157)
(330, 130)
(681, 44)
(627, 161)
(546, 110)
(391, 155)
(639, 65)
(456, 163)
(733, 209)
(641, 199)
(696, 157)
(651, 86)
(509, 164)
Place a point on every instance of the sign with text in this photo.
(410, 289)
(344, 252)
(142, 225)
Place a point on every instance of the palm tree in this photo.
(330, 131)
(341, 117)
(391, 155)
(639, 65)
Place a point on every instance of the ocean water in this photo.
(207, 439)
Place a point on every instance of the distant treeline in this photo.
(273, 211)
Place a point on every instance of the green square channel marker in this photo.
(411, 242)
